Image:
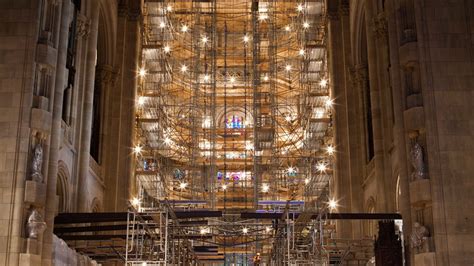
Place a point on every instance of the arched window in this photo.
(371, 225)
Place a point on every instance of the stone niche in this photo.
(35, 193)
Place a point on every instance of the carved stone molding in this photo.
(83, 27)
(344, 8)
(106, 75)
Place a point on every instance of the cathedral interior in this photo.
(235, 132)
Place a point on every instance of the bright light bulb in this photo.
(184, 28)
(288, 67)
(204, 39)
(135, 201)
(142, 72)
(301, 52)
(245, 230)
(323, 83)
(268, 229)
(162, 25)
(206, 77)
(291, 170)
(169, 8)
(167, 49)
(167, 140)
(141, 100)
(246, 39)
(203, 231)
(265, 188)
(144, 263)
(263, 16)
(305, 25)
(329, 103)
(288, 118)
(183, 185)
(224, 187)
(137, 149)
(232, 79)
(306, 181)
(184, 68)
(321, 167)
(265, 78)
(332, 204)
(287, 28)
(299, 7)
(330, 150)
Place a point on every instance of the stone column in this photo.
(84, 145)
(381, 204)
(337, 73)
(50, 206)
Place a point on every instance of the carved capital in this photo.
(344, 8)
(106, 75)
(83, 27)
(379, 26)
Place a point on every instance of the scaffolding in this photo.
(234, 116)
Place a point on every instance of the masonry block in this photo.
(408, 53)
(425, 259)
(30, 259)
(46, 55)
(35, 193)
(41, 102)
(420, 192)
(41, 120)
(414, 118)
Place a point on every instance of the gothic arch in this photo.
(62, 187)
(371, 225)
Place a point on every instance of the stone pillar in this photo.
(336, 66)
(50, 206)
(379, 162)
(84, 148)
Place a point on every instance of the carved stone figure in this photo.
(35, 225)
(417, 161)
(419, 238)
(37, 164)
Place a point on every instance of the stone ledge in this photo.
(30, 259)
(425, 259)
(414, 119)
(35, 193)
(420, 192)
(41, 120)
(40, 102)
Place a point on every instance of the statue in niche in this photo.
(37, 164)
(417, 161)
(35, 225)
(419, 238)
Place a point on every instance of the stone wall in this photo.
(65, 256)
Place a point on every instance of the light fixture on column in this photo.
(167, 48)
(184, 68)
(162, 25)
(301, 52)
(305, 25)
(184, 28)
(245, 230)
(265, 188)
(204, 39)
(332, 204)
(135, 202)
(288, 67)
(329, 103)
(321, 167)
(330, 150)
(246, 38)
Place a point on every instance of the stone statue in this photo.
(35, 225)
(416, 156)
(37, 164)
(419, 238)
